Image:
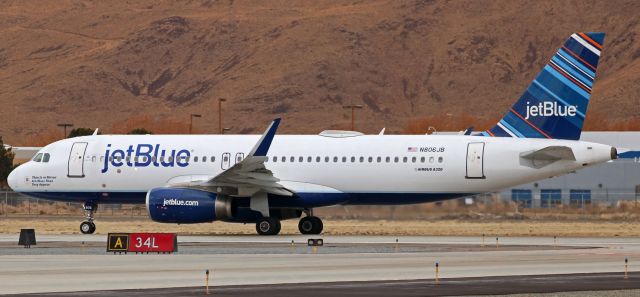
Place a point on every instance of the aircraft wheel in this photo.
(310, 225)
(87, 227)
(268, 226)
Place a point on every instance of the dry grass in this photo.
(67, 225)
(492, 217)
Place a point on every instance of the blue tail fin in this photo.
(555, 103)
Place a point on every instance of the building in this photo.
(605, 183)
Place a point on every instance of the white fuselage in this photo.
(367, 164)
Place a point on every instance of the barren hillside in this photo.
(102, 63)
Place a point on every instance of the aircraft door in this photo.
(475, 160)
(76, 160)
(226, 161)
(239, 157)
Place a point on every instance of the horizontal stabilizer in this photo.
(551, 153)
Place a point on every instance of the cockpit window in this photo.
(38, 158)
(46, 158)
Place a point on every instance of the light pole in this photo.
(353, 108)
(220, 100)
(193, 115)
(64, 126)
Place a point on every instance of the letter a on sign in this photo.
(118, 242)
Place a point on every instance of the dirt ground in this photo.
(70, 225)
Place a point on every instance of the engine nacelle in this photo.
(187, 206)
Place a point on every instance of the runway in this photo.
(586, 284)
(63, 264)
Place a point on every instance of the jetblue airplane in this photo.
(264, 179)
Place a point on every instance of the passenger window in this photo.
(284, 159)
(309, 159)
(301, 159)
(153, 158)
(431, 159)
(361, 159)
(370, 159)
(195, 159)
(440, 159)
(293, 159)
(388, 159)
(379, 159)
(326, 159)
(93, 159)
(344, 159)
(275, 159)
(318, 159)
(128, 159)
(404, 160)
(422, 159)
(110, 158)
(413, 159)
(45, 158)
(170, 159)
(335, 159)
(353, 159)
(213, 159)
(38, 158)
(395, 159)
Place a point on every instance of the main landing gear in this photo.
(88, 227)
(310, 224)
(307, 225)
(268, 226)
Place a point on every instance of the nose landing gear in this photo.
(88, 227)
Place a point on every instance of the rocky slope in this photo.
(103, 63)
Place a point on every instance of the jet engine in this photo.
(187, 206)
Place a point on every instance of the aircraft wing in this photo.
(250, 175)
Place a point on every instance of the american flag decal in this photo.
(412, 149)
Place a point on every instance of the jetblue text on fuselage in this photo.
(547, 109)
(144, 155)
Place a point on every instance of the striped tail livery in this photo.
(555, 103)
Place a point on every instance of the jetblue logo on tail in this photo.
(547, 109)
(144, 155)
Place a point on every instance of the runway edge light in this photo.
(206, 281)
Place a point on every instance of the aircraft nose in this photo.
(12, 180)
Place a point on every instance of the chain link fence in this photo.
(16, 204)
(509, 205)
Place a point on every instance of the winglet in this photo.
(262, 147)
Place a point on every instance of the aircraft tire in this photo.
(87, 227)
(268, 226)
(317, 224)
(310, 225)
